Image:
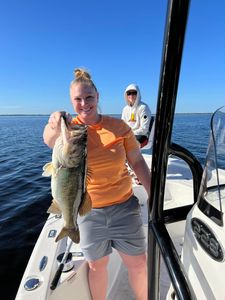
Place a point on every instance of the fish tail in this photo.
(73, 234)
(85, 206)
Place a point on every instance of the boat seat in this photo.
(147, 144)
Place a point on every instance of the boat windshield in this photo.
(213, 181)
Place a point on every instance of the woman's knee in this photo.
(99, 264)
(136, 262)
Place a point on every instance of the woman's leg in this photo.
(98, 278)
(137, 272)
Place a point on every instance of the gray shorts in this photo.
(118, 226)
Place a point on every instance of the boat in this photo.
(183, 219)
(202, 249)
(38, 279)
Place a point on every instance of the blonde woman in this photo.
(114, 221)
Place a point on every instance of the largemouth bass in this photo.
(68, 171)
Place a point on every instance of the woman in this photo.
(115, 217)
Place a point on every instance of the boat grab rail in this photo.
(180, 213)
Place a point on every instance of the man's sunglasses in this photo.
(131, 93)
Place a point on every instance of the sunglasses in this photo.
(131, 93)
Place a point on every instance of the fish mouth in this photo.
(73, 143)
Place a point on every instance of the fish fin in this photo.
(88, 175)
(54, 208)
(73, 234)
(48, 169)
(85, 206)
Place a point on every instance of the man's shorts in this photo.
(117, 226)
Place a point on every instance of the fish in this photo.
(69, 175)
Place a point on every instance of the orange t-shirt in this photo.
(108, 142)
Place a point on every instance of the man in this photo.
(136, 114)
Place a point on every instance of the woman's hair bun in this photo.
(82, 74)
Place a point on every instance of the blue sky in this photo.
(119, 42)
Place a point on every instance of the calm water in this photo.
(25, 194)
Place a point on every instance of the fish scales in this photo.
(68, 171)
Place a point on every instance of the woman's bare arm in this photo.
(138, 164)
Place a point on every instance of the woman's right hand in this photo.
(53, 128)
(55, 119)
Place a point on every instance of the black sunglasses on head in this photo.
(131, 93)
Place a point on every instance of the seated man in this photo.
(136, 114)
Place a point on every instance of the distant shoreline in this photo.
(46, 115)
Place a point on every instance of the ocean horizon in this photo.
(154, 114)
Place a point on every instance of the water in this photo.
(192, 132)
(25, 194)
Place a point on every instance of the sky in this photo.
(119, 42)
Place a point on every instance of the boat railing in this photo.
(180, 213)
(159, 241)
